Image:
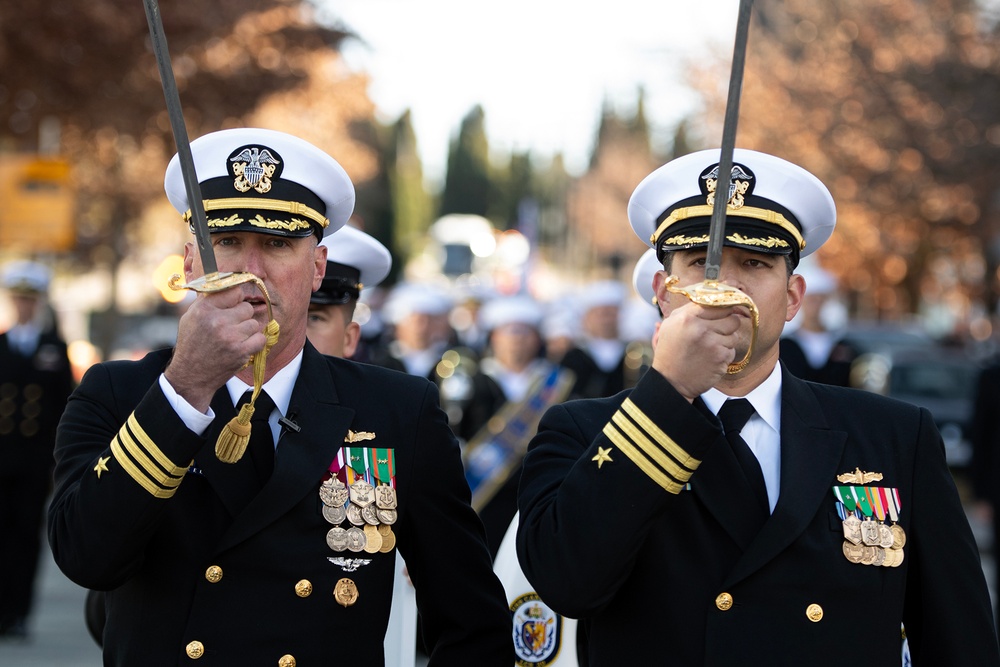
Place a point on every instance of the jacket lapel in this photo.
(810, 453)
(301, 457)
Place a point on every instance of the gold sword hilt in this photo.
(233, 439)
(714, 294)
(218, 281)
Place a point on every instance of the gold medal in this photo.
(853, 552)
(867, 555)
(362, 493)
(886, 538)
(852, 529)
(333, 492)
(879, 558)
(373, 540)
(385, 497)
(899, 557)
(387, 517)
(869, 533)
(354, 515)
(356, 539)
(891, 556)
(345, 592)
(368, 513)
(898, 536)
(336, 539)
(335, 515)
(388, 538)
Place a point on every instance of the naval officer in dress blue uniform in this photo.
(714, 518)
(285, 556)
(35, 381)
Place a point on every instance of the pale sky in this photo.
(540, 69)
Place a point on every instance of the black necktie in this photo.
(261, 445)
(734, 415)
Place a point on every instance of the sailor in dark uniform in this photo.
(228, 558)
(724, 511)
(597, 358)
(354, 261)
(35, 381)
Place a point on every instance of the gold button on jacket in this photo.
(724, 602)
(286, 661)
(195, 650)
(814, 613)
(214, 574)
(303, 589)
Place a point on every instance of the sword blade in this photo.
(191, 185)
(717, 226)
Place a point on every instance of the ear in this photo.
(796, 291)
(352, 335)
(319, 262)
(660, 290)
(189, 255)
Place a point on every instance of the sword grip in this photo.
(717, 295)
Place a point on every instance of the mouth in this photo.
(742, 311)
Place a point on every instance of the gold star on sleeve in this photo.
(102, 465)
(603, 456)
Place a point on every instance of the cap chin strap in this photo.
(235, 435)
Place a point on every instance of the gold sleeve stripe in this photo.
(678, 472)
(153, 471)
(654, 473)
(657, 434)
(151, 448)
(135, 473)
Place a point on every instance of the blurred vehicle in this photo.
(943, 380)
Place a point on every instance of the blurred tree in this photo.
(469, 185)
(410, 214)
(597, 202)
(893, 104)
(237, 62)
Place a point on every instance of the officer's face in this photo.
(291, 268)
(764, 278)
(331, 330)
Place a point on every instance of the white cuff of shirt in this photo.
(194, 419)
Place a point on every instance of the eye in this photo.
(224, 241)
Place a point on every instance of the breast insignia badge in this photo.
(859, 477)
(349, 564)
(360, 436)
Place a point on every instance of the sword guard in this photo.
(714, 294)
(233, 439)
(218, 281)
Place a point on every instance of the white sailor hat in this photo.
(264, 181)
(642, 276)
(354, 260)
(818, 280)
(601, 293)
(26, 277)
(774, 206)
(517, 309)
(416, 298)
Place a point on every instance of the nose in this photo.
(253, 260)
